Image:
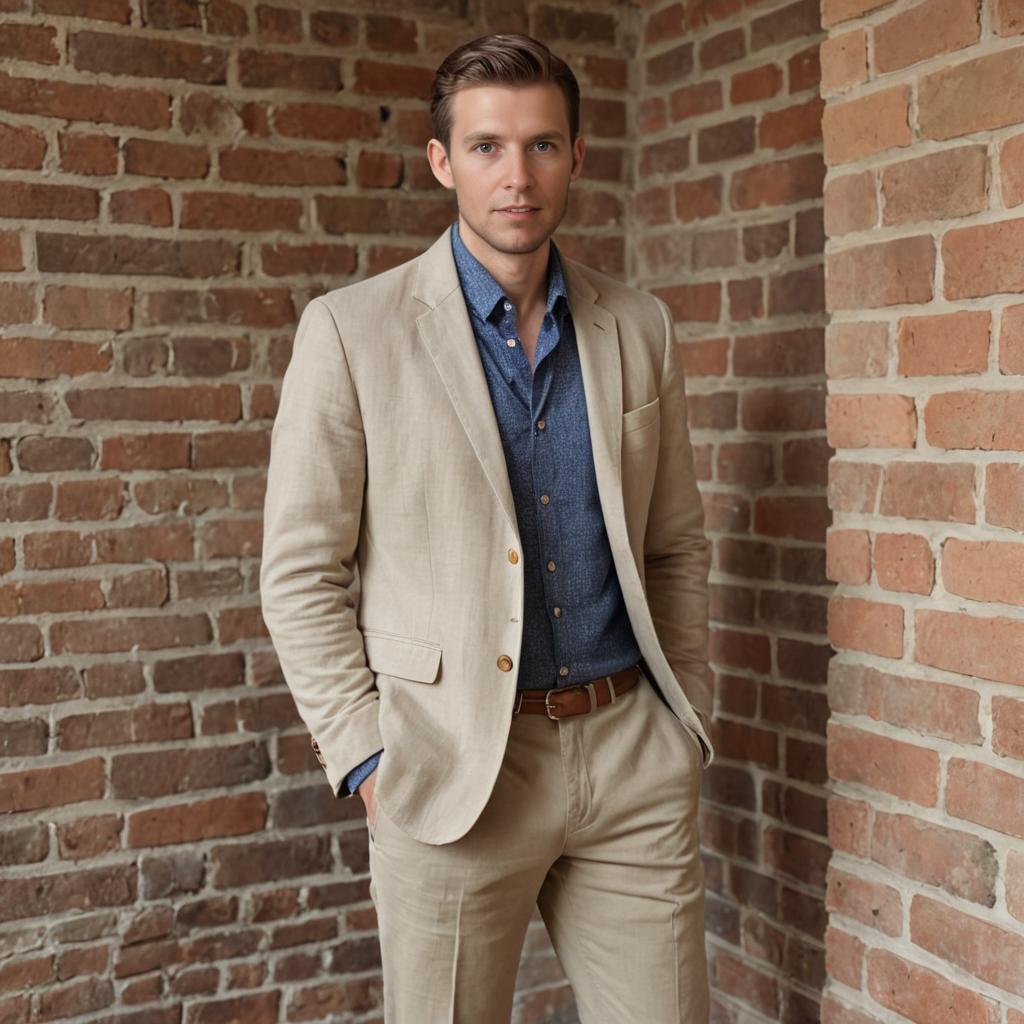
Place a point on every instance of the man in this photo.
(485, 574)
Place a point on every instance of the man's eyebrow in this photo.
(494, 137)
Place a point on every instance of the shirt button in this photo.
(507, 305)
(563, 671)
(540, 424)
(513, 555)
(551, 566)
(557, 612)
(511, 342)
(545, 500)
(505, 663)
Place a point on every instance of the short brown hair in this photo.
(500, 59)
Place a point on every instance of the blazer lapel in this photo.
(597, 339)
(447, 334)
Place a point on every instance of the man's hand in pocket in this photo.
(369, 798)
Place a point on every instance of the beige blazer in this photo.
(391, 583)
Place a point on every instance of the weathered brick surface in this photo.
(925, 748)
(180, 179)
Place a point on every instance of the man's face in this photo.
(510, 161)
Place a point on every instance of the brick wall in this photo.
(177, 180)
(923, 210)
(728, 216)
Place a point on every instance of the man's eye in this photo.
(547, 144)
(484, 147)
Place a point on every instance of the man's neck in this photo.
(523, 277)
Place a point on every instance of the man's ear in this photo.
(578, 149)
(437, 157)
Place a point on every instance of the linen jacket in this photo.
(391, 580)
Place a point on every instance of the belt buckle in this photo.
(548, 705)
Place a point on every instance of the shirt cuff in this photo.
(361, 772)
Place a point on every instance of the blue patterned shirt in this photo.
(575, 626)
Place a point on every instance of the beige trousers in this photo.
(593, 818)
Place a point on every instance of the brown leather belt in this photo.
(562, 701)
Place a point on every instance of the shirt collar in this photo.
(483, 293)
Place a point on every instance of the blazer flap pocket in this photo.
(406, 657)
(637, 419)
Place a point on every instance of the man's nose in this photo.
(518, 173)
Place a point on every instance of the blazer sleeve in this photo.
(677, 555)
(309, 574)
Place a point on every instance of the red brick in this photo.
(1011, 167)
(939, 186)
(121, 254)
(23, 147)
(989, 420)
(844, 61)
(892, 766)
(944, 343)
(87, 838)
(141, 108)
(150, 206)
(904, 563)
(864, 625)
(163, 772)
(848, 556)
(930, 29)
(928, 490)
(871, 421)
(844, 957)
(750, 86)
(331, 124)
(923, 995)
(54, 786)
(232, 212)
(972, 96)
(147, 57)
(791, 126)
(979, 947)
(849, 825)
(876, 905)
(778, 182)
(866, 125)
(985, 647)
(986, 796)
(961, 863)
(856, 349)
(1008, 727)
(159, 159)
(253, 307)
(1004, 495)
(186, 823)
(881, 274)
(984, 570)
(851, 203)
(46, 358)
(151, 632)
(984, 259)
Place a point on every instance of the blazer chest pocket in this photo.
(641, 424)
(406, 657)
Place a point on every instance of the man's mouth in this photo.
(518, 211)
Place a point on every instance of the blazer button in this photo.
(513, 555)
(319, 756)
(505, 663)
